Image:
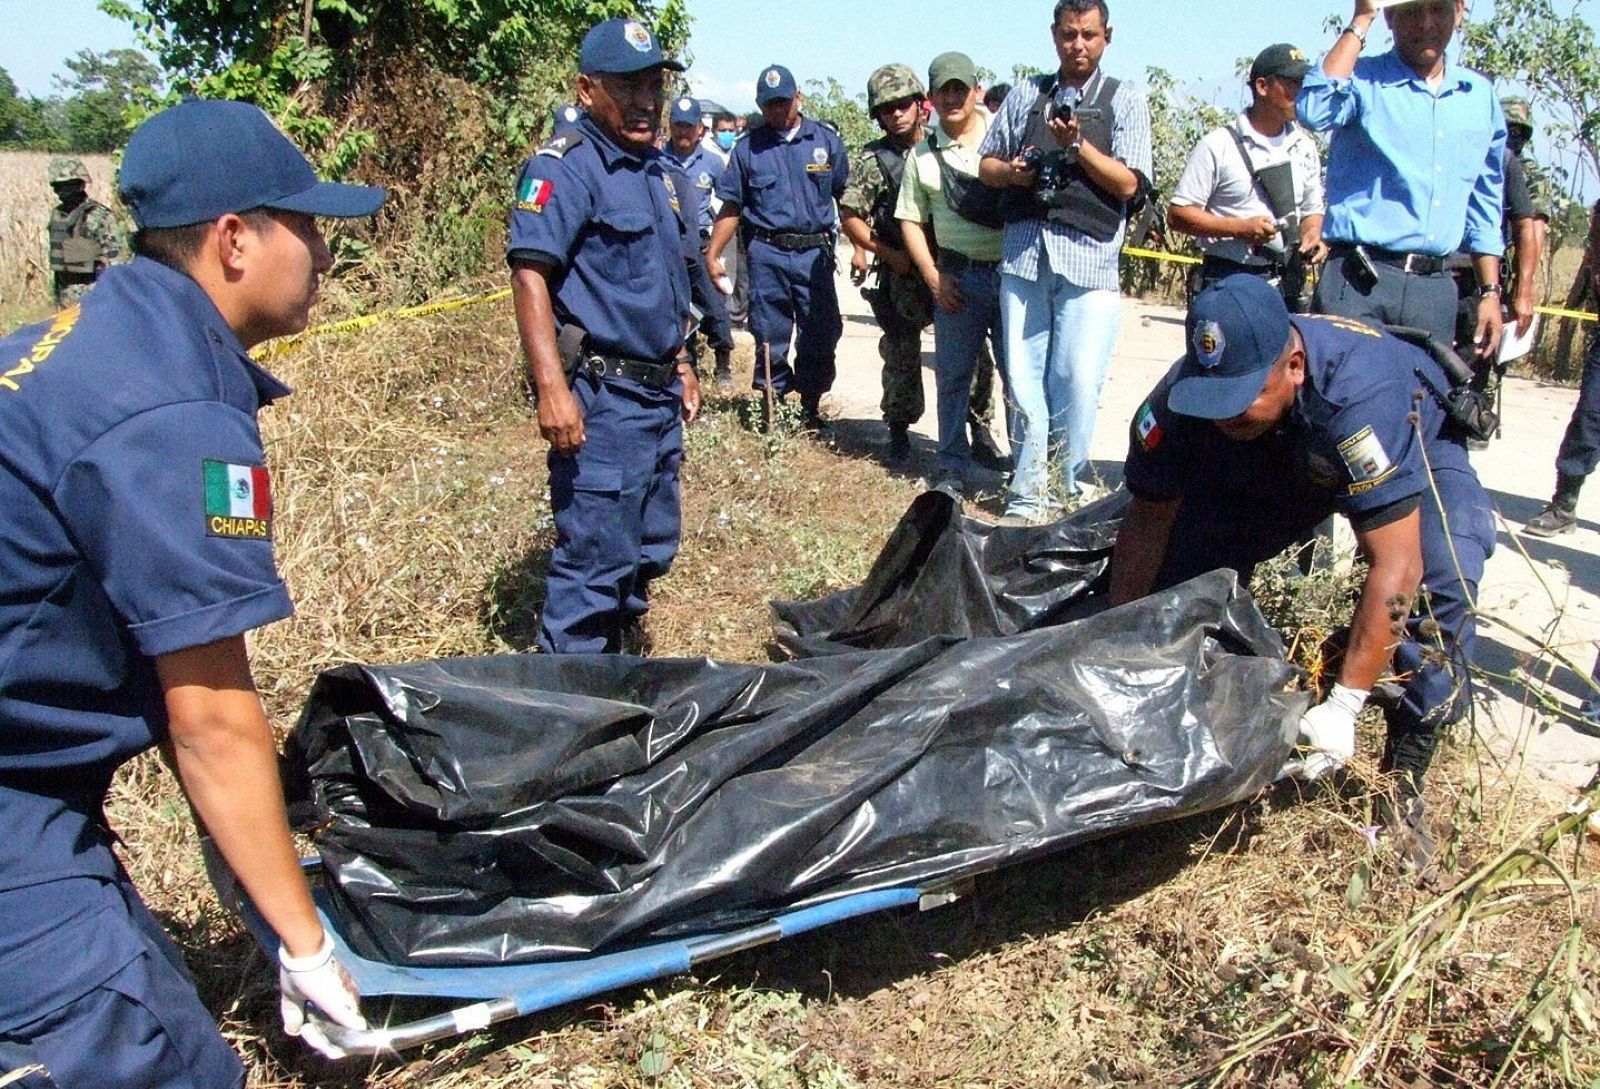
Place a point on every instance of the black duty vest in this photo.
(892, 161)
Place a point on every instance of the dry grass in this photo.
(1245, 947)
(25, 203)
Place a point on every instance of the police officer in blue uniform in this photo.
(781, 185)
(1268, 425)
(600, 245)
(137, 552)
(702, 166)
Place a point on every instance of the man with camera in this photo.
(1072, 151)
(1415, 172)
(1251, 191)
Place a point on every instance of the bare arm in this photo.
(1193, 219)
(1395, 554)
(227, 761)
(1141, 547)
(560, 420)
(722, 232)
(1486, 336)
(1005, 173)
(1311, 243)
(1530, 234)
(1341, 59)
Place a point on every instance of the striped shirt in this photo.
(1069, 252)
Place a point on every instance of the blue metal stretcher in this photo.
(499, 993)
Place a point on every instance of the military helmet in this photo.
(64, 168)
(891, 83)
(1517, 111)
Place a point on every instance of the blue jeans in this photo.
(1058, 341)
(957, 341)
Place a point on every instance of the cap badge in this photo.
(1209, 344)
(1296, 55)
(637, 36)
(772, 79)
(685, 103)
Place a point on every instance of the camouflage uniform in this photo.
(84, 235)
(902, 304)
(1540, 185)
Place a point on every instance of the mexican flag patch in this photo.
(238, 501)
(1148, 429)
(533, 194)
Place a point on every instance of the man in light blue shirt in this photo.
(1414, 172)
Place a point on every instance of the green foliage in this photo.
(104, 92)
(1177, 122)
(827, 100)
(27, 121)
(1555, 57)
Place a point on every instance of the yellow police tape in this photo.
(366, 321)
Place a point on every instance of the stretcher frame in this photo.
(499, 993)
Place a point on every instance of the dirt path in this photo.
(1546, 589)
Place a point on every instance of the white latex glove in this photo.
(321, 981)
(1328, 731)
(220, 875)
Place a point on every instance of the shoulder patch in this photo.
(558, 146)
(238, 501)
(1147, 428)
(1366, 459)
(533, 194)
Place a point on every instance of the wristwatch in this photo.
(1361, 35)
(1488, 289)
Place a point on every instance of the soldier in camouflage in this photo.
(85, 237)
(1525, 235)
(900, 301)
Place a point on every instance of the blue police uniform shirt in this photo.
(1409, 169)
(787, 185)
(1348, 439)
(611, 223)
(702, 168)
(120, 416)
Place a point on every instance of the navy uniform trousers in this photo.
(1231, 531)
(1580, 446)
(793, 292)
(616, 514)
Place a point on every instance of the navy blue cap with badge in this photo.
(1237, 330)
(205, 158)
(619, 47)
(685, 111)
(775, 82)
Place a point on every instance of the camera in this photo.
(1064, 112)
(1049, 169)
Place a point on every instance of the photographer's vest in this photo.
(1081, 204)
(72, 253)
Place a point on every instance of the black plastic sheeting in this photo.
(943, 574)
(526, 807)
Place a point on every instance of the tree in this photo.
(13, 112)
(827, 100)
(104, 92)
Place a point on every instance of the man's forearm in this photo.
(921, 254)
(1141, 548)
(858, 232)
(1387, 597)
(722, 231)
(536, 329)
(1193, 219)
(1341, 59)
(227, 761)
(1108, 172)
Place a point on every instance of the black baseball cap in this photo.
(1237, 330)
(205, 158)
(1280, 60)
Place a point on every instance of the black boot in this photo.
(811, 417)
(1560, 515)
(898, 452)
(724, 372)
(986, 453)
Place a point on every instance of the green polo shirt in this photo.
(922, 197)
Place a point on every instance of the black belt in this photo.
(793, 240)
(653, 375)
(1421, 264)
(960, 262)
(1212, 266)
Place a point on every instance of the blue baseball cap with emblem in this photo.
(775, 82)
(205, 158)
(1237, 330)
(619, 47)
(685, 110)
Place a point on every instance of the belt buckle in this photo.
(596, 367)
(1413, 263)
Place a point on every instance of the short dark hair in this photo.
(1078, 7)
(996, 94)
(177, 247)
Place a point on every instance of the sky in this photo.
(732, 40)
